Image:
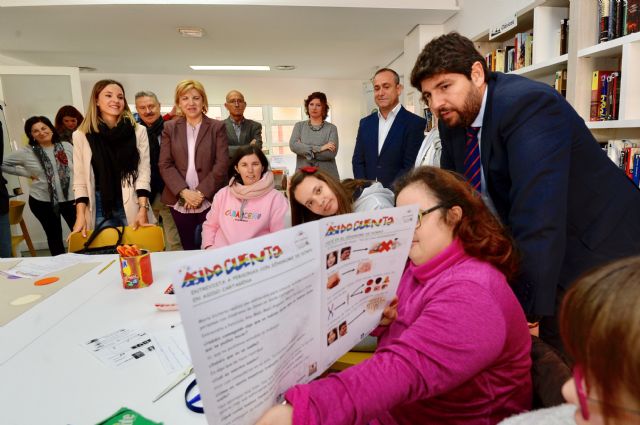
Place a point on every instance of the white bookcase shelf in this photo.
(543, 68)
(613, 124)
(610, 48)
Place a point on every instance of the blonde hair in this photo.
(186, 85)
(92, 117)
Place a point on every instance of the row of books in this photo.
(560, 82)
(605, 95)
(617, 18)
(626, 155)
(512, 57)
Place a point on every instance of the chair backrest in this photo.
(15, 211)
(150, 238)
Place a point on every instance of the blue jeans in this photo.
(5, 236)
(118, 217)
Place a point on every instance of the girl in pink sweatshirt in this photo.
(249, 206)
(455, 348)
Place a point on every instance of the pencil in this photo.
(107, 266)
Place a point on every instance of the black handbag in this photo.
(107, 249)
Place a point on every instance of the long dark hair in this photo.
(55, 138)
(301, 214)
(241, 152)
(480, 233)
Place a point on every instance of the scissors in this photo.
(188, 371)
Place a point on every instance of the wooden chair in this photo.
(150, 238)
(15, 217)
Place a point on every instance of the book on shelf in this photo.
(625, 154)
(564, 36)
(632, 16)
(605, 95)
(617, 18)
(560, 82)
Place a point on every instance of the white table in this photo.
(48, 377)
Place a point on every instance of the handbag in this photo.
(105, 249)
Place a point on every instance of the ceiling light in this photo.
(230, 68)
(191, 32)
(285, 67)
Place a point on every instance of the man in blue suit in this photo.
(567, 205)
(388, 140)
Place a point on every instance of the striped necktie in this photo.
(472, 159)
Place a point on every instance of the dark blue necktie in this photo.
(472, 159)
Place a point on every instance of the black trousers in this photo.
(51, 221)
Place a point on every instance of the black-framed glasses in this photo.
(422, 213)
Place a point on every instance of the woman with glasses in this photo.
(315, 194)
(455, 348)
(600, 328)
(315, 140)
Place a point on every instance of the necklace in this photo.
(315, 127)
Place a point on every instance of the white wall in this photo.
(476, 16)
(345, 98)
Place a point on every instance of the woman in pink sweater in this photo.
(455, 349)
(249, 206)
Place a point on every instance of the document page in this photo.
(363, 259)
(266, 314)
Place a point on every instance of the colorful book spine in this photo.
(633, 16)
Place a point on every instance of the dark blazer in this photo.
(249, 130)
(399, 150)
(211, 158)
(568, 206)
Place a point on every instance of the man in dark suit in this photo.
(388, 140)
(240, 130)
(539, 168)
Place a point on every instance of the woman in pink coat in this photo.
(249, 206)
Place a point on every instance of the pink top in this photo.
(192, 175)
(458, 353)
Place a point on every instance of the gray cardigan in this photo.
(306, 143)
(24, 162)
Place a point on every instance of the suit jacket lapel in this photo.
(394, 131)
(205, 127)
(486, 138)
(181, 133)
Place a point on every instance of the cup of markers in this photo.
(135, 267)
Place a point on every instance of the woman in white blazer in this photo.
(110, 163)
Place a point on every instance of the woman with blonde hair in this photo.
(194, 156)
(110, 163)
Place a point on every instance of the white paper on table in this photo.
(122, 347)
(257, 314)
(171, 347)
(37, 267)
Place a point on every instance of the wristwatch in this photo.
(145, 206)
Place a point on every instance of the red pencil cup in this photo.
(136, 271)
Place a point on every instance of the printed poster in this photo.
(266, 314)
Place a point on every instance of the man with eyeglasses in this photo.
(240, 130)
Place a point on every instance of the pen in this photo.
(107, 266)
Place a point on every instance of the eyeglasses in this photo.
(582, 389)
(422, 213)
(235, 102)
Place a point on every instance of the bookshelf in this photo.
(587, 55)
(584, 56)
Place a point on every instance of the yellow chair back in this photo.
(150, 238)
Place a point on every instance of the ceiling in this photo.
(322, 42)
